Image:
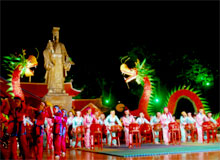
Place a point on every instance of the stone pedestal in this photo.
(62, 100)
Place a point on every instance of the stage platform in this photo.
(156, 149)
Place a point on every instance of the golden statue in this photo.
(57, 63)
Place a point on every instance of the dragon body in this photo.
(18, 66)
(145, 98)
(142, 75)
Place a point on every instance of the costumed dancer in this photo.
(39, 131)
(49, 125)
(190, 120)
(21, 129)
(88, 120)
(200, 118)
(183, 122)
(29, 124)
(101, 119)
(127, 120)
(8, 130)
(166, 118)
(155, 120)
(111, 120)
(141, 120)
(57, 131)
(209, 116)
(97, 114)
(64, 132)
(77, 121)
(70, 127)
(49, 132)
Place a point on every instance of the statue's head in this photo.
(55, 33)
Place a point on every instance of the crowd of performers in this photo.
(19, 126)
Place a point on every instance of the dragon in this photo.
(142, 74)
(18, 66)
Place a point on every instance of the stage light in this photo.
(207, 83)
(157, 100)
(107, 101)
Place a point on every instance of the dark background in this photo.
(97, 34)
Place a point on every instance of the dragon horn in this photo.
(37, 53)
(123, 58)
(127, 59)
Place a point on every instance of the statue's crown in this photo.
(56, 29)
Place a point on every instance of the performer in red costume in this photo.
(49, 125)
(20, 109)
(49, 132)
(39, 131)
(57, 132)
(64, 132)
(9, 133)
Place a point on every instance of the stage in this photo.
(156, 149)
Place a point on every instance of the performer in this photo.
(21, 129)
(29, 133)
(190, 120)
(77, 121)
(141, 120)
(49, 132)
(9, 137)
(111, 120)
(166, 118)
(39, 131)
(200, 118)
(209, 116)
(102, 119)
(127, 120)
(49, 125)
(183, 122)
(64, 131)
(155, 120)
(97, 114)
(88, 120)
(70, 127)
(57, 131)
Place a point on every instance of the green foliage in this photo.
(153, 109)
(198, 74)
(157, 106)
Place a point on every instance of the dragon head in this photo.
(131, 73)
(31, 62)
(138, 73)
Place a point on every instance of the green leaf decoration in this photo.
(216, 116)
(187, 88)
(9, 84)
(12, 94)
(9, 89)
(9, 75)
